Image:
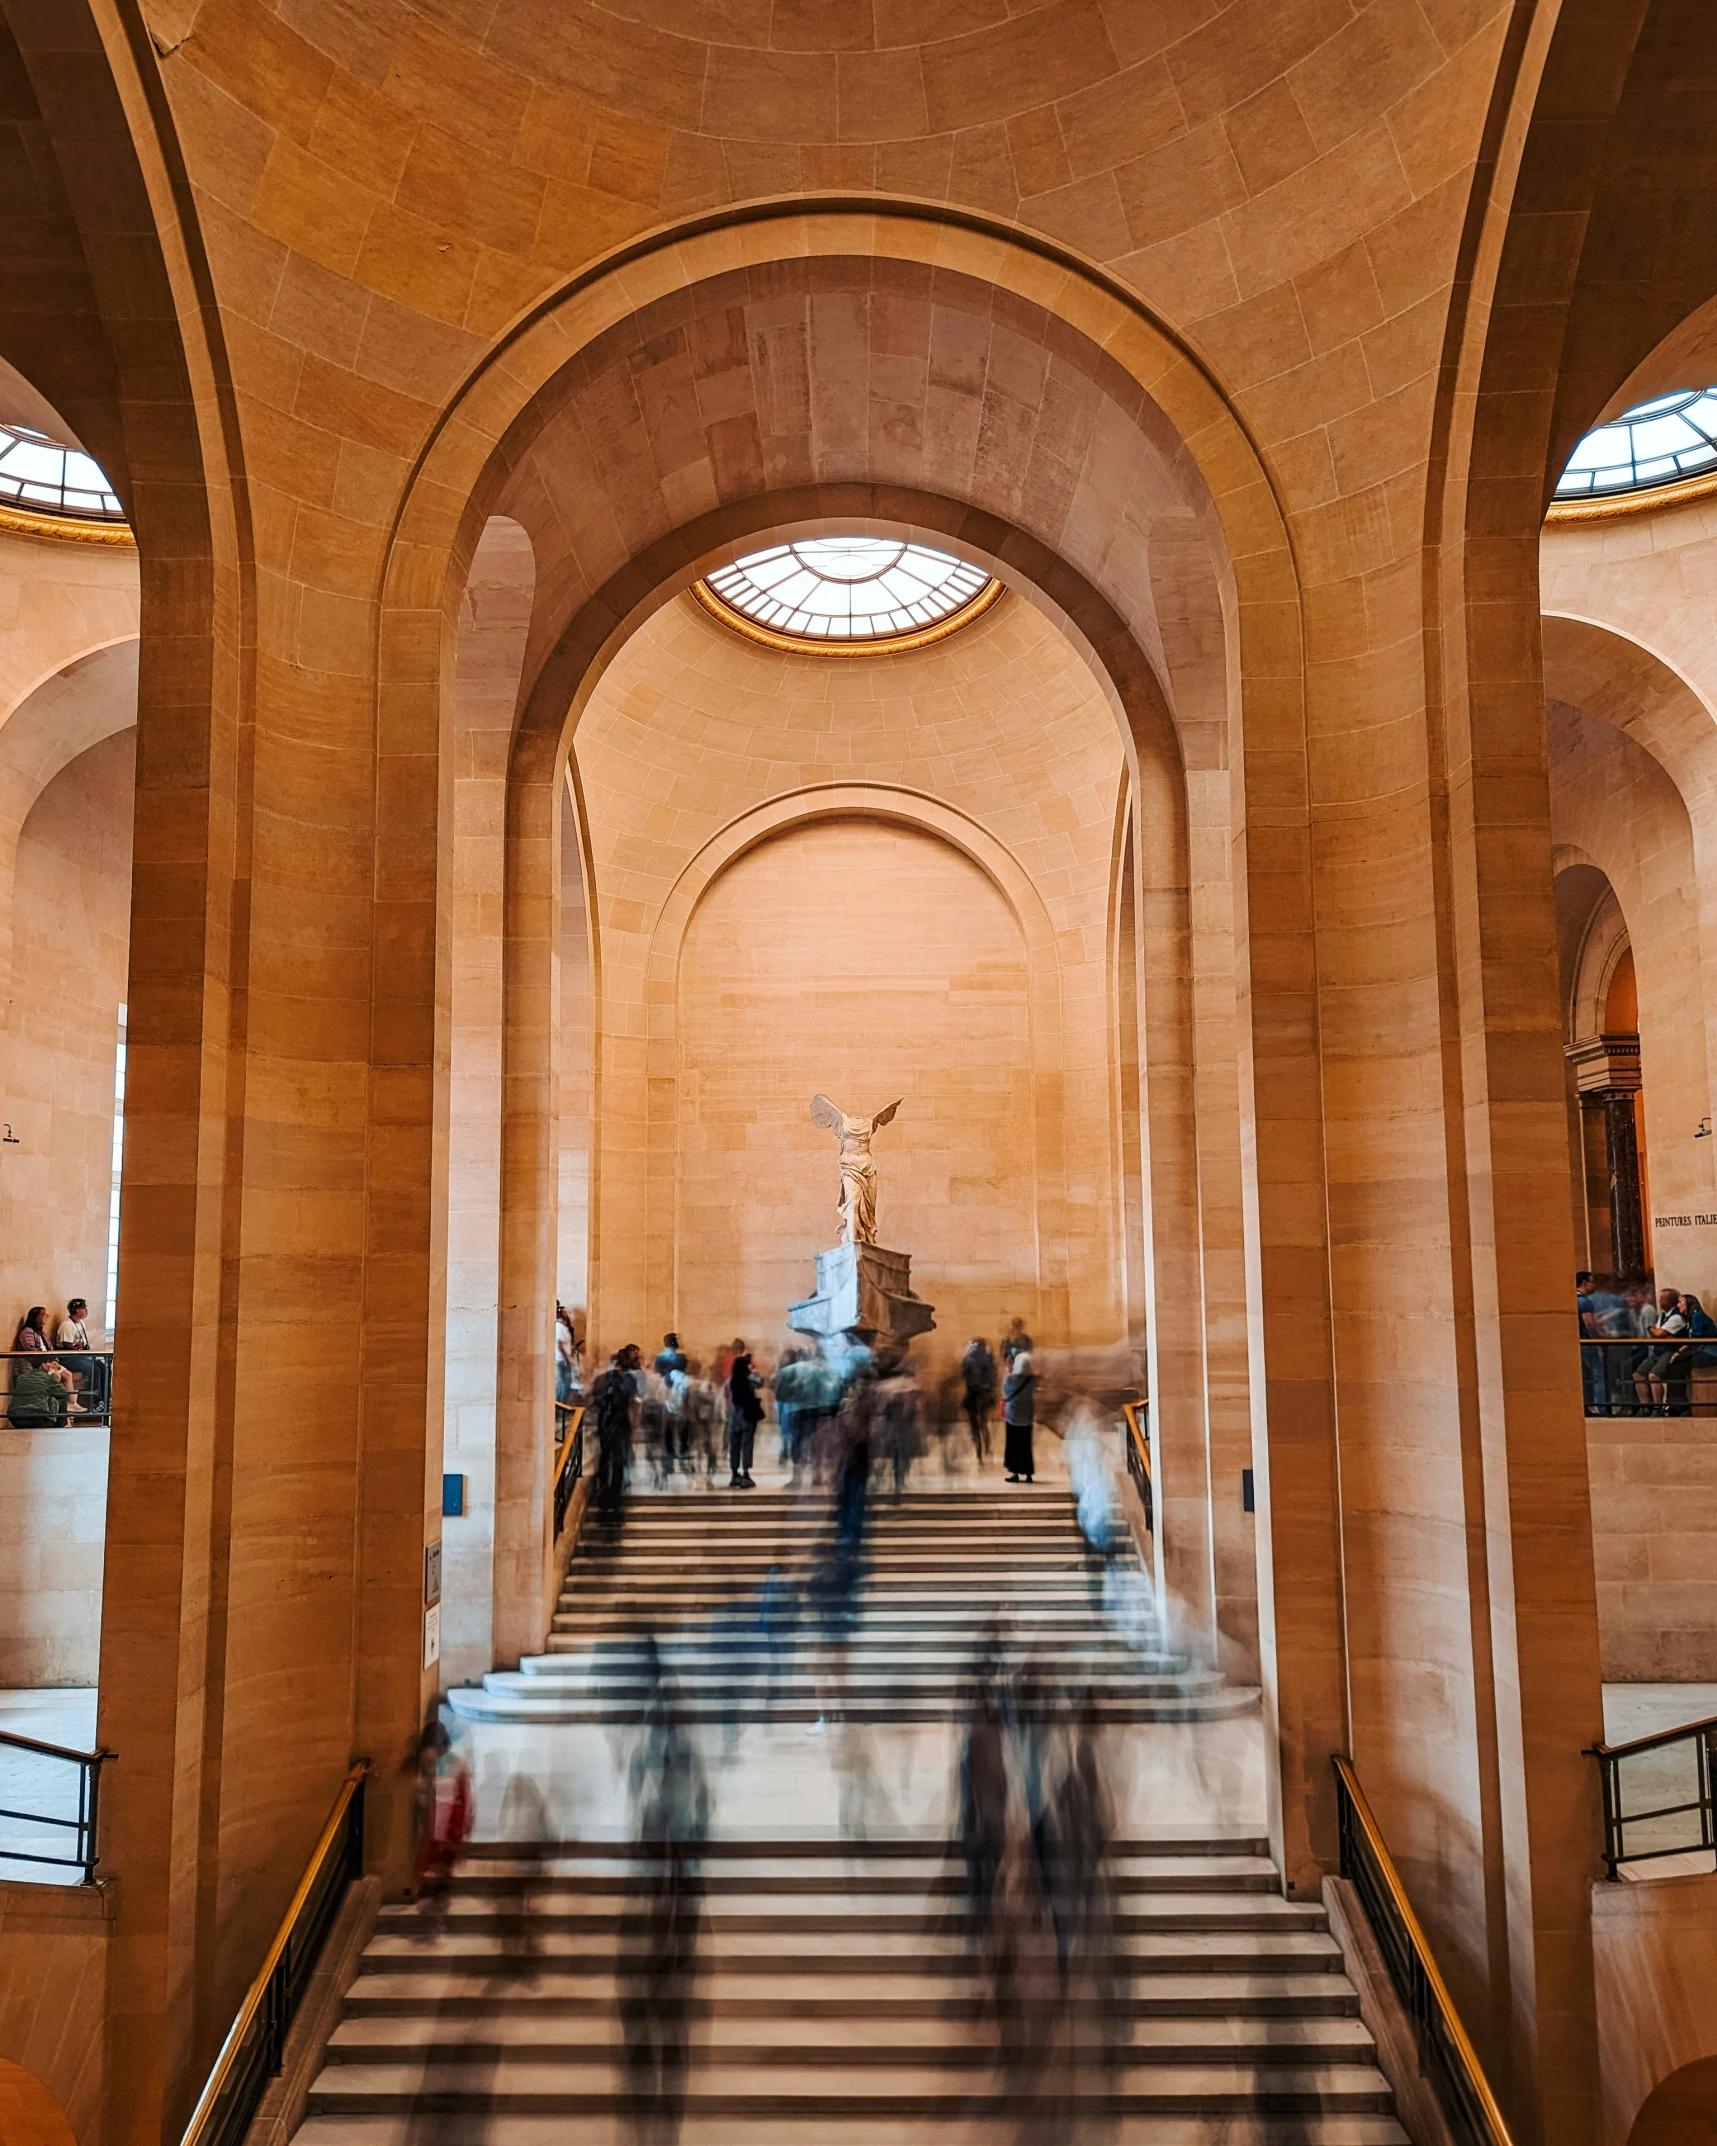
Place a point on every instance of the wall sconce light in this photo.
(10, 1139)
(1704, 1132)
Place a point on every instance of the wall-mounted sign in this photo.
(432, 1573)
(1684, 1221)
(432, 1636)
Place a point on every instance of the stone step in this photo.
(616, 2128)
(569, 1876)
(816, 2092)
(937, 2039)
(840, 1916)
(731, 1993)
(794, 1851)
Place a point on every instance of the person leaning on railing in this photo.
(39, 1395)
(30, 1340)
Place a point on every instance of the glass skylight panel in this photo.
(1656, 442)
(849, 588)
(34, 472)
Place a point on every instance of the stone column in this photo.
(1607, 1079)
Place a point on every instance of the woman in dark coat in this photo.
(1019, 1407)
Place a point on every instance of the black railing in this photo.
(1136, 1416)
(569, 1457)
(1648, 1375)
(1469, 2107)
(83, 1826)
(1678, 1763)
(255, 2049)
(92, 1393)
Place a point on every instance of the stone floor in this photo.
(1658, 1779)
(46, 1788)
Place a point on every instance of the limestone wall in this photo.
(737, 981)
(52, 1524)
(1655, 1947)
(870, 961)
(53, 1991)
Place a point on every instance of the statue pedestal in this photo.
(861, 1289)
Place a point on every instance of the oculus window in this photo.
(1654, 443)
(848, 593)
(34, 472)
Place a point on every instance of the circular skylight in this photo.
(849, 591)
(34, 472)
(1654, 443)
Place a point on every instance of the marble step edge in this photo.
(833, 1848)
(1298, 1993)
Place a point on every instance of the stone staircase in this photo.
(946, 1573)
(840, 1994)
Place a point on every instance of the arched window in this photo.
(1656, 442)
(848, 592)
(35, 472)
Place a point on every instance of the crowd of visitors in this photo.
(55, 1372)
(690, 1417)
(1639, 1350)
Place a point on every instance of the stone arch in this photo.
(826, 804)
(29, 2114)
(479, 446)
(1680, 2110)
(90, 698)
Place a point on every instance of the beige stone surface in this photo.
(52, 1528)
(1246, 339)
(1656, 1949)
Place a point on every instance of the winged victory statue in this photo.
(858, 1165)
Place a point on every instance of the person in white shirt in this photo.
(73, 1334)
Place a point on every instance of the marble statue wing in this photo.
(824, 1113)
(882, 1117)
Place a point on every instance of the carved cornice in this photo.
(1649, 497)
(1604, 1066)
(63, 528)
(810, 645)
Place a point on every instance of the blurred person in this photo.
(744, 1413)
(702, 1415)
(618, 1404)
(1612, 1319)
(777, 1626)
(1591, 1356)
(983, 1801)
(1083, 1821)
(897, 1435)
(565, 1358)
(1019, 1412)
(978, 1371)
(1015, 1342)
(796, 1385)
(525, 1824)
(670, 1357)
(676, 1407)
(445, 1811)
(661, 1925)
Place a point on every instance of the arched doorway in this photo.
(1680, 2110)
(29, 2114)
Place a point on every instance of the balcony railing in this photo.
(62, 1806)
(1658, 1794)
(94, 1396)
(1655, 1375)
(255, 2048)
(1469, 2107)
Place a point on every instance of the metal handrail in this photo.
(1702, 1735)
(569, 1437)
(1135, 1414)
(84, 1825)
(53, 1355)
(1691, 1355)
(255, 2047)
(1451, 2061)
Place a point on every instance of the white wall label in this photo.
(432, 1635)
